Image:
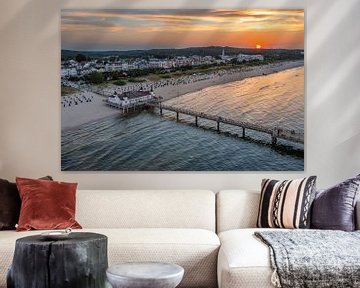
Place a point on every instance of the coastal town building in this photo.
(226, 57)
(240, 57)
(130, 99)
(246, 58)
(68, 72)
(71, 67)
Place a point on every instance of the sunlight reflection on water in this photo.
(272, 100)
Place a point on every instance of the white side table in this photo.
(145, 275)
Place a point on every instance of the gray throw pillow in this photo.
(334, 208)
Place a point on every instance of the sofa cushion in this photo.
(236, 209)
(244, 261)
(286, 204)
(10, 204)
(334, 208)
(46, 204)
(194, 249)
(146, 209)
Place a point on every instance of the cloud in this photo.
(138, 25)
(180, 16)
(82, 23)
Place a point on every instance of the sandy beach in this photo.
(85, 106)
(75, 115)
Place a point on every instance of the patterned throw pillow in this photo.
(286, 204)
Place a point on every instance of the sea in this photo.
(146, 141)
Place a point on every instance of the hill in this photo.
(279, 54)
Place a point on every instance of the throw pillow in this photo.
(46, 204)
(286, 204)
(10, 204)
(334, 208)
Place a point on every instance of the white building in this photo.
(246, 58)
(113, 66)
(157, 63)
(226, 57)
(130, 99)
(67, 72)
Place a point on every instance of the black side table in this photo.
(78, 261)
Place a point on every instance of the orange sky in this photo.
(146, 29)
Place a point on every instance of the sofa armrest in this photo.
(357, 215)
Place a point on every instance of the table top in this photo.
(72, 238)
(146, 270)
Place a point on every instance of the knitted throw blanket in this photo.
(313, 258)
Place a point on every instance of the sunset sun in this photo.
(258, 46)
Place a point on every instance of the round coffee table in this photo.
(145, 275)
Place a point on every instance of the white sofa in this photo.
(175, 226)
(172, 226)
(243, 261)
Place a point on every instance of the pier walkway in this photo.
(275, 132)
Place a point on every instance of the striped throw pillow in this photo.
(286, 204)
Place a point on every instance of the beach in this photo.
(86, 106)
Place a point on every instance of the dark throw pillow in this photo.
(334, 208)
(46, 205)
(286, 204)
(10, 204)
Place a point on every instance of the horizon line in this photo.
(181, 48)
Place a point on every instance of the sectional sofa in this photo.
(210, 235)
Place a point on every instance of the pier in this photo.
(275, 132)
(130, 107)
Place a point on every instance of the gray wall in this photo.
(30, 93)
